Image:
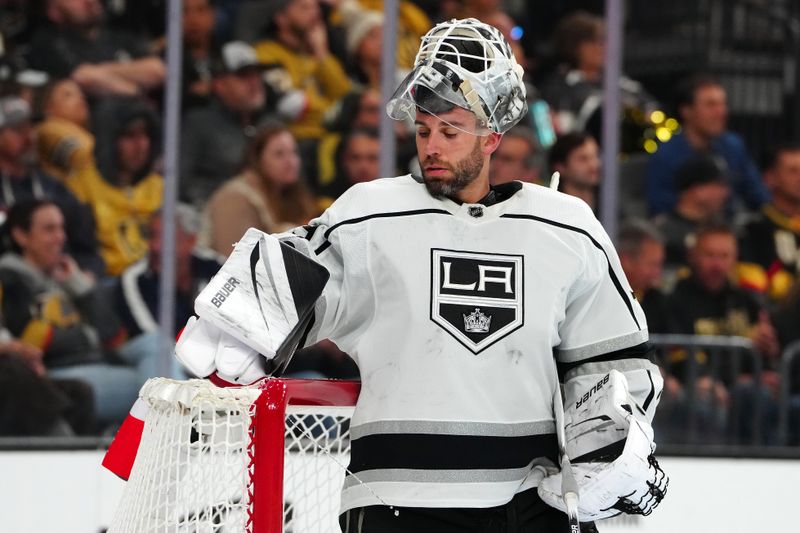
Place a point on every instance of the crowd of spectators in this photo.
(281, 101)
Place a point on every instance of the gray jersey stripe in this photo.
(572, 355)
(401, 475)
(623, 365)
(435, 427)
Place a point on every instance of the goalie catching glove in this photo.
(260, 302)
(611, 446)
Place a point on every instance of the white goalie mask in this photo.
(468, 64)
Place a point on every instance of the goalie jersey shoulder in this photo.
(561, 208)
(562, 212)
(385, 195)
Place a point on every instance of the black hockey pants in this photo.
(526, 513)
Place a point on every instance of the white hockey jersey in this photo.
(460, 317)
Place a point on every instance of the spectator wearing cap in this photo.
(21, 179)
(770, 240)
(703, 109)
(302, 66)
(363, 40)
(703, 191)
(215, 135)
(412, 24)
(363, 30)
(16, 79)
(76, 43)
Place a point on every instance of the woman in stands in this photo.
(269, 194)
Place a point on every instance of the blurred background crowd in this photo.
(281, 104)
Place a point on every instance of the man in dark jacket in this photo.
(771, 240)
(215, 136)
(708, 303)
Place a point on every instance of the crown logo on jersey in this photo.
(477, 322)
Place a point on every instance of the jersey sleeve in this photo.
(346, 306)
(604, 327)
(601, 313)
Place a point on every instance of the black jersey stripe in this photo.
(449, 452)
(640, 351)
(614, 278)
(415, 212)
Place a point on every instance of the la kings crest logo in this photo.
(476, 297)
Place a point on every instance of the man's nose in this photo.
(434, 145)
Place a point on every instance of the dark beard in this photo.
(464, 173)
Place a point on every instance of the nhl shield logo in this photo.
(476, 297)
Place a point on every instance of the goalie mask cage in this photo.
(267, 458)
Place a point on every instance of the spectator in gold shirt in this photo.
(301, 66)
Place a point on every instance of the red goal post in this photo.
(253, 459)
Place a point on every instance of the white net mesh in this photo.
(316, 455)
(193, 471)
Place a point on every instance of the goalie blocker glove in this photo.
(260, 302)
(611, 445)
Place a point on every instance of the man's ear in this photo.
(491, 142)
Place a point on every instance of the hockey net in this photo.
(265, 458)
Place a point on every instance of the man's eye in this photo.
(422, 133)
(450, 134)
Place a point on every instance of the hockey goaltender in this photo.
(466, 307)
